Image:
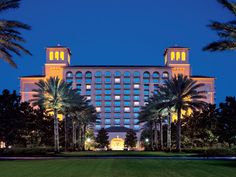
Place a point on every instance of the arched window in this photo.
(98, 74)
(57, 55)
(108, 74)
(156, 75)
(88, 74)
(127, 74)
(78, 74)
(177, 56)
(183, 56)
(69, 74)
(165, 75)
(146, 74)
(117, 74)
(62, 55)
(51, 56)
(136, 74)
(172, 57)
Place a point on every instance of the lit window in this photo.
(88, 86)
(98, 127)
(57, 55)
(69, 74)
(172, 56)
(177, 56)
(136, 85)
(51, 56)
(88, 97)
(127, 126)
(117, 97)
(108, 80)
(107, 121)
(117, 80)
(136, 121)
(165, 75)
(155, 75)
(98, 109)
(136, 127)
(136, 115)
(62, 55)
(183, 56)
(117, 121)
(126, 121)
(127, 109)
(136, 103)
(107, 126)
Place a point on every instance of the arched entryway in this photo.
(117, 144)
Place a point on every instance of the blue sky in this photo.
(130, 32)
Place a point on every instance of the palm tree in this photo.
(184, 94)
(54, 95)
(10, 37)
(226, 31)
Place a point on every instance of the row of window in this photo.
(118, 121)
(98, 127)
(108, 74)
(117, 109)
(116, 80)
(117, 103)
(118, 115)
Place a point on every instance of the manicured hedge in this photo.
(26, 151)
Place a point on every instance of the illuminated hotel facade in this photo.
(117, 92)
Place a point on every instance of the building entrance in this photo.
(117, 144)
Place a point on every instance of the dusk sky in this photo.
(124, 32)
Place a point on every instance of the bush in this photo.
(211, 151)
(26, 151)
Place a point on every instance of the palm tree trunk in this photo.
(56, 132)
(179, 129)
(169, 133)
(66, 138)
(161, 135)
(73, 134)
(155, 135)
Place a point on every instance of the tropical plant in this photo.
(226, 121)
(102, 139)
(184, 94)
(10, 37)
(54, 95)
(226, 31)
(130, 139)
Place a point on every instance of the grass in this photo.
(123, 153)
(117, 168)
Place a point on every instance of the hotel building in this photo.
(116, 91)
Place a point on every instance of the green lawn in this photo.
(123, 153)
(117, 168)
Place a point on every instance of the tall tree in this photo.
(184, 95)
(10, 37)
(102, 139)
(226, 121)
(226, 31)
(54, 95)
(130, 139)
